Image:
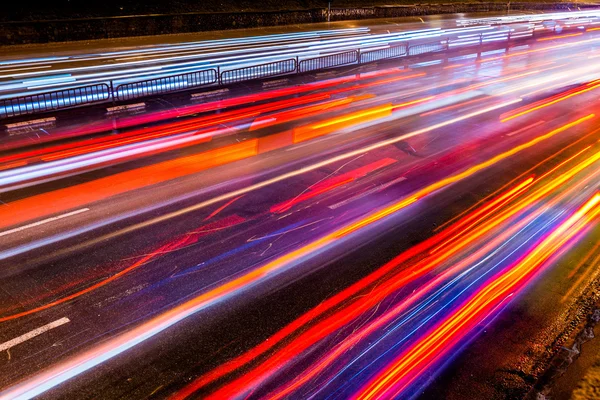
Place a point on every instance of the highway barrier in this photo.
(383, 54)
(59, 99)
(169, 84)
(259, 71)
(328, 61)
(414, 50)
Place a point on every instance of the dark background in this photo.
(32, 10)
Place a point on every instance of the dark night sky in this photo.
(58, 9)
(128, 6)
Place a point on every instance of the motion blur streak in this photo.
(37, 206)
(277, 264)
(469, 221)
(332, 234)
(349, 342)
(545, 49)
(189, 125)
(358, 306)
(323, 128)
(560, 37)
(98, 285)
(330, 324)
(569, 159)
(188, 110)
(402, 371)
(329, 184)
(146, 330)
(348, 313)
(551, 101)
(63, 199)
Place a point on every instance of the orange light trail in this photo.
(139, 135)
(302, 134)
(529, 171)
(560, 37)
(526, 52)
(416, 271)
(402, 371)
(279, 263)
(71, 197)
(357, 307)
(546, 103)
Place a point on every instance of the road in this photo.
(334, 236)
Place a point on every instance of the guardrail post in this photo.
(446, 57)
(358, 56)
(113, 117)
(112, 92)
(297, 65)
(481, 39)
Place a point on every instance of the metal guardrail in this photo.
(426, 48)
(169, 84)
(383, 54)
(59, 99)
(259, 71)
(329, 61)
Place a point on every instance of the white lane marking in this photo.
(44, 221)
(36, 332)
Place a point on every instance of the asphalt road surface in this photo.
(353, 234)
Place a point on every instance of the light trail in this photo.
(299, 336)
(329, 145)
(402, 371)
(148, 329)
